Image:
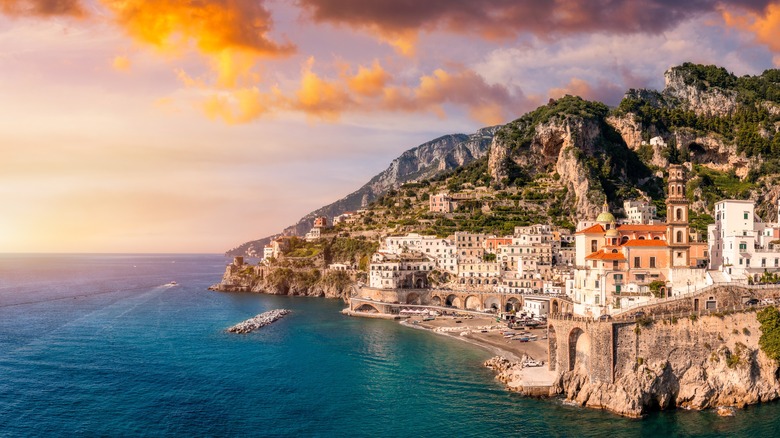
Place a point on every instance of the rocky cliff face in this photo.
(559, 146)
(424, 161)
(701, 364)
(282, 281)
(704, 101)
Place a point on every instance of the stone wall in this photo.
(693, 362)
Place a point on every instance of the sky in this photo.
(196, 125)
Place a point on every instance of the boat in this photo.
(532, 363)
(172, 283)
(429, 318)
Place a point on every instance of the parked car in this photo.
(752, 302)
(639, 314)
(605, 318)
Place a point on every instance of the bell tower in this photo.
(677, 232)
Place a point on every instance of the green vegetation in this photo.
(655, 287)
(769, 342)
(751, 126)
(519, 133)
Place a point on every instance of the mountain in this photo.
(422, 162)
(560, 162)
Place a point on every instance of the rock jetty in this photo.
(258, 321)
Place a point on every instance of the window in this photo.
(745, 215)
(615, 265)
(597, 284)
(679, 255)
(679, 236)
(593, 246)
(763, 263)
(652, 262)
(742, 246)
(636, 262)
(679, 214)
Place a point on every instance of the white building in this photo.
(536, 306)
(313, 234)
(268, 252)
(394, 271)
(443, 251)
(740, 244)
(639, 212)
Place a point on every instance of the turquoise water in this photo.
(98, 346)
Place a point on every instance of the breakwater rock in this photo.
(258, 321)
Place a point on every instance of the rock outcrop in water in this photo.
(258, 321)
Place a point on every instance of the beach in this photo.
(488, 334)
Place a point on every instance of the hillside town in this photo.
(603, 267)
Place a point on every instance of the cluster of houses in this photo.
(606, 264)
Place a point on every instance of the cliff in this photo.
(286, 281)
(692, 364)
(569, 140)
(424, 161)
(558, 163)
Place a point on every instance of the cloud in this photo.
(213, 25)
(237, 106)
(764, 24)
(121, 63)
(42, 8)
(321, 97)
(604, 91)
(368, 81)
(489, 104)
(503, 19)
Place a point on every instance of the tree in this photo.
(770, 332)
(655, 287)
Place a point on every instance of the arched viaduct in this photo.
(459, 299)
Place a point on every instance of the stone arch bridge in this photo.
(458, 299)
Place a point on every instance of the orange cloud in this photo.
(213, 25)
(602, 92)
(368, 81)
(765, 25)
(320, 97)
(121, 63)
(238, 106)
(42, 8)
(465, 88)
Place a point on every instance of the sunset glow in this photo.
(169, 126)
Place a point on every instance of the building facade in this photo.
(742, 247)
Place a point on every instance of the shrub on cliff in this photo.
(770, 332)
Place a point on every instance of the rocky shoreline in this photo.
(258, 321)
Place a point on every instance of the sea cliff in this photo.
(690, 363)
(240, 277)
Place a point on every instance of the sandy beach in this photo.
(485, 332)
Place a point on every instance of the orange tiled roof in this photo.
(636, 242)
(641, 227)
(592, 230)
(606, 256)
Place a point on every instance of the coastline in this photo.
(490, 348)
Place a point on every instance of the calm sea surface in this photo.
(99, 346)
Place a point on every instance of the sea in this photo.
(101, 345)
